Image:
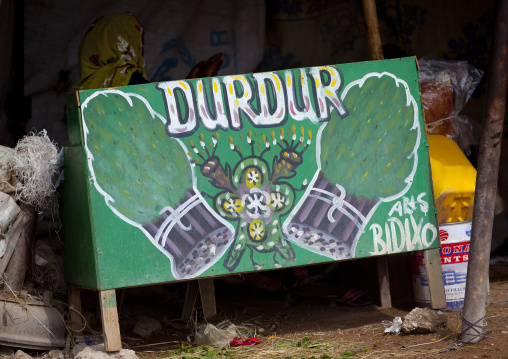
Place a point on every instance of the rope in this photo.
(439, 121)
(453, 346)
(481, 334)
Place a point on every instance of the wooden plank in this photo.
(75, 305)
(384, 282)
(207, 291)
(191, 296)
(110, 325)
(436, 286)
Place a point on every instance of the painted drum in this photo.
(191, 235)
(454, 253)
(328, 221)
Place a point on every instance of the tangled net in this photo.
(33, 162)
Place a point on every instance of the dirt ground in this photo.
(305, 323)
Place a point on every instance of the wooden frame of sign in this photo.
(199, 178)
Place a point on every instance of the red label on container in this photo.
(443, 235)
(454, 253)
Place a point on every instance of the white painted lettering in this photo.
(433, 230)
(379, 244)
(327, 94)
(211, 112)
(181, 114)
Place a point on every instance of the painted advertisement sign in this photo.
(247, 172)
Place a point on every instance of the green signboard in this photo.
(192, 178)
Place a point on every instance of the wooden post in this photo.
(191, 296)
(207, 292)
(370, 14)
(75, 303)
(486, 182)
(205, 287)
(110, 325)
(384, 282)
(432, 263)
(376, 53)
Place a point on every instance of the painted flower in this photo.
(253, 176)
(257, 204)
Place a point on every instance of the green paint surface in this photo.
(109, 300)
(78, 232)
(127, 144)
(178, 190)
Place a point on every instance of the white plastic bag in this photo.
(212, 336)
(395, 327)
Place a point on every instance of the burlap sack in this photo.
(9, 210)
(8, 181)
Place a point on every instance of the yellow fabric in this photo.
(111, 52)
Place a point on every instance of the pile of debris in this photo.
(30, 270)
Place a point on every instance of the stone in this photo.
(424, 320)
(55, 354)
(20, 354)
(146, 326)
(76, 349)
(98, 352)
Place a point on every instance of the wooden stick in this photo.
(75, 301)
(207, 291)
(190, 299)
(384, 282)
(376, 53)
(435, 276)
(110, 324)
(369, 11)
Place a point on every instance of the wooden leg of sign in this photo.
(191, 296)
(207, 291)
(75, 312)
(435, 277)
(110, 325)
(384, 282)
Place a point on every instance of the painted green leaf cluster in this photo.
(369, 152)
(134, 160)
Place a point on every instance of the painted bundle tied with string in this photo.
(34, 163)
(356, 171)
